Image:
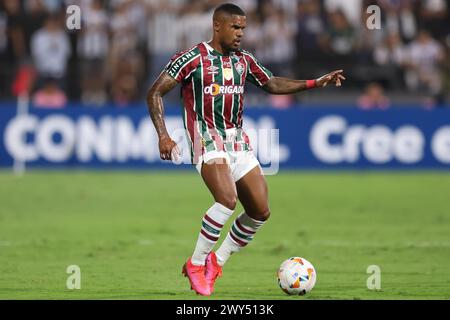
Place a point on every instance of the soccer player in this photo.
(212, 77)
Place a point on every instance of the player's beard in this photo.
(232, 48)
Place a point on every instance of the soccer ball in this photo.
(296, 276)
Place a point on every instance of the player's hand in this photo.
(168, 149)
(334, 77)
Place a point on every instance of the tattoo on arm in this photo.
(163, 85)
(279, 85)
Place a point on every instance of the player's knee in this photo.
(228, 200)
(265, 215)
(261, 215)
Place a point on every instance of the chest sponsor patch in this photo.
(228, 74)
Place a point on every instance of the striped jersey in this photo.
(212, 92)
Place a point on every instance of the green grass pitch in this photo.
(130, 233)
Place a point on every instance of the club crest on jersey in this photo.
(239, 67)
(228, 74)
(215, 89)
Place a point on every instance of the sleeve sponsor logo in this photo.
(178, 62)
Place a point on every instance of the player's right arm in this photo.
(162, 85)
(177, 70)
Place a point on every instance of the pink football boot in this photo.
(213, 270)
(196, 276)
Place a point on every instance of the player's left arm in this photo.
(279, 85)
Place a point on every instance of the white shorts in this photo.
(240, 162)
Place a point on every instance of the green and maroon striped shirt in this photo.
(212, 90)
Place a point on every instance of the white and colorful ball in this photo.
(296, 276)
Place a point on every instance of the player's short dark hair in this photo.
(230, 9)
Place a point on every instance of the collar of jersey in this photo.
(212, 50)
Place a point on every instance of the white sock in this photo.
(241, 233)
(212, 224)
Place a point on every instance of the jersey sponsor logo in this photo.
(216, 89)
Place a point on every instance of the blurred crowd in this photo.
(124, 44)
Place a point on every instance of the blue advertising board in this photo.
(297, 138)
